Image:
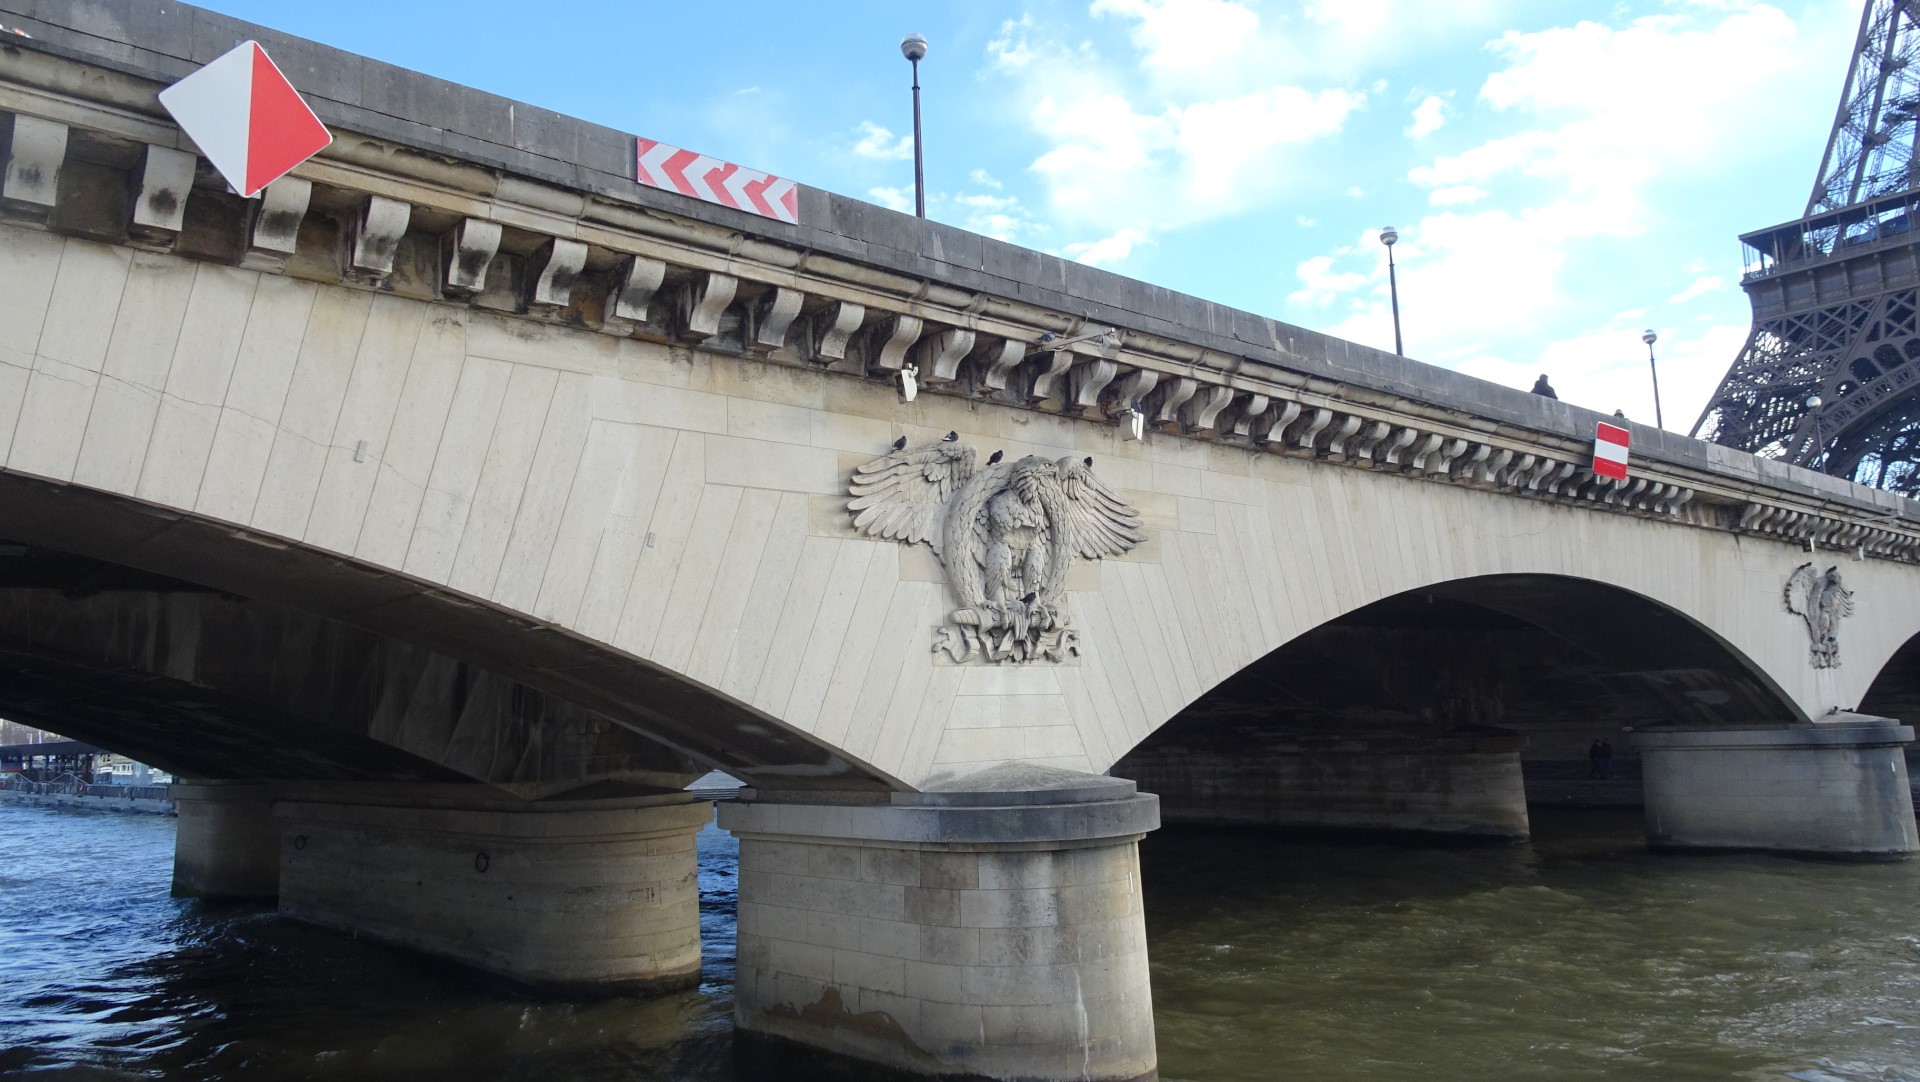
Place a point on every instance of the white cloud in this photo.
(1428, 117)
(1700, 287)
(880, 144)
(984, 179)
(1305, 222)
(1455, 195)
(900, 199)
(1185, 36)
(1320, 284)
(1108, 249)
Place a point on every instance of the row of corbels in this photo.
(1823, 531)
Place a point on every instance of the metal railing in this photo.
(72, 786)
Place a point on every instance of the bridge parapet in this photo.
(94, 156)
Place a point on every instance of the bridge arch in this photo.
(1416, 709)
(219, 653)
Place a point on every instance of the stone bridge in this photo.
(445, 511)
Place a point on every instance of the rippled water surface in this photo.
(1577, 957)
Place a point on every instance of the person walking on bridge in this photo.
(1542, 387)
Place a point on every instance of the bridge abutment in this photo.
(226, 843)
(1467, 784)
(994, 931)
(1836, 788)
(572, 895)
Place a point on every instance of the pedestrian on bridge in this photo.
(1542, 387)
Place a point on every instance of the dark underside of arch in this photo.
(1555, 661)
(217, 652)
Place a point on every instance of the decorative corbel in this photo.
(1368, 439)
(1341, 432)
(1518, 468)
(1303, 438)
(769, 317)
(700, 302)
(634, 284)
(834, 328)
(1202, 412)
(1087, 382)
(1164, 404)
(1131, 389)
(939, 354)
(1470, 464)
(1418, 456)
(552, 269)
(466, 253)
(1248, 409)
(1397, 445)
(160, 188)
(1282, 417)
(1441, 463)
(891, 338)
(1490, 468)
(994, 360)
(1050, 369)
(281, 208)
(34, 158)
(376, 236)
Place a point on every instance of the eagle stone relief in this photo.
(1820, 600)
(1007, 534)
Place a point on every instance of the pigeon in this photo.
(1089, 461)
(995, 457)
(900, 444)
(1028, 600)
(950, 437)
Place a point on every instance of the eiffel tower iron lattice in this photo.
(1829, 377)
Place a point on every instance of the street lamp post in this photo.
(1389, 236)
(1649, 338)
(1813, 414)
(914, 48)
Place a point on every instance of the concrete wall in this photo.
(687, 508)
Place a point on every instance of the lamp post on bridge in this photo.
(1649, 337)
(1389, 236)
(1813, 414)
(914, 48)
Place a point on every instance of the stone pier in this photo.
(1839, 788)
(1466, 783)
(990, 930)
(570, 895)
(226, 844)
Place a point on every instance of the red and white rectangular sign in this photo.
(246, 118)
(659, 165)
(1610, 451)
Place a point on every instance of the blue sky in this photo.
(1562, 174)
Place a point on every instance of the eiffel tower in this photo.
(1830, 375)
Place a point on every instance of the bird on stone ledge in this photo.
(950, 437)
(900, 444)
(995, 457)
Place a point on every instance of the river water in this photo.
(1578, 956)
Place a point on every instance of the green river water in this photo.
(1578, 956)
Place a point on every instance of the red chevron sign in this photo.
(659, 165)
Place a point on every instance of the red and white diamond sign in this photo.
(659, 165)
(246, 118)
(1610, 450)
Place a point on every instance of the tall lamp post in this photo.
(1649, 338)
(914, 48)
(1813, 414)
(1389, 236)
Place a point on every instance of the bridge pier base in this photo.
(1465, 783)
(991, 931)
(572, 895)
(1833, 788)
(226, 845)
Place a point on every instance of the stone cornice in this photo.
(379, 215)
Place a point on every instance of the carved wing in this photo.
(903, 496)
(1098, 521)
(1090, 520)
(966, 534)
(1798, 594)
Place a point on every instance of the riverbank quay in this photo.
(140, 799)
